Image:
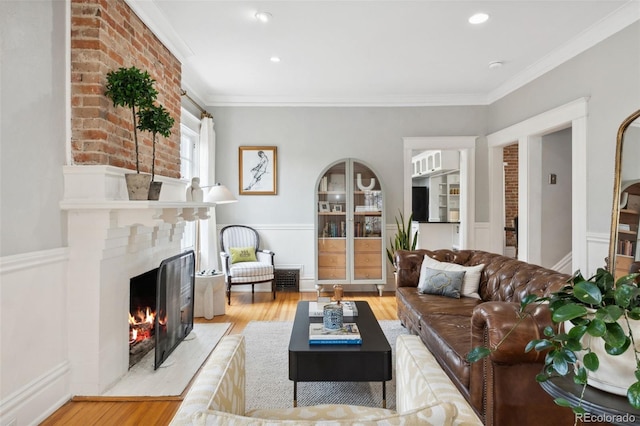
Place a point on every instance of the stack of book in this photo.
(349, 308)
(347, 335)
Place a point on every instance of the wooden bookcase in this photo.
(627, 238)
(350, 226)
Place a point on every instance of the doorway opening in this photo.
(530, 135)
(465, 147)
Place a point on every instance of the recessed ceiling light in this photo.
(495, 64)
(275, 59)
(263, 16)
(478, 18)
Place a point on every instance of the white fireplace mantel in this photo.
(111, 240)
(145, 213)
(100, 187)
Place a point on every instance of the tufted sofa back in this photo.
(503, 278)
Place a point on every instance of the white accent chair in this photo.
(247, 272)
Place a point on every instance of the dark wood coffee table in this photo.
(367, 362)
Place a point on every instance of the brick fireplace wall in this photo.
(510, 157)
(107, 35)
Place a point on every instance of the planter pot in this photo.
(154, 190)
(138, 185)
(615, 373)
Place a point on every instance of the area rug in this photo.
(267, 372)
(173, 376)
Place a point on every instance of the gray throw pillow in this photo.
(443, 283)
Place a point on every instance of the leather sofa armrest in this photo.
(492, 321)
(408, 265)
(502, 386)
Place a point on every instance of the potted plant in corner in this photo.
(403, 239)
(595, 338)
(157, 120)
(133, 88)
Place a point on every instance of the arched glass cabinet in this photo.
(350, 226)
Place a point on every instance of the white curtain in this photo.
(208, 232)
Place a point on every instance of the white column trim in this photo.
(572, 114)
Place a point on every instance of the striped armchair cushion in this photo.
(251, 272)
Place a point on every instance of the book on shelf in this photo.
(349, 308)
(348, 334)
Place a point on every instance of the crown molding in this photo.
(616, 21)
(359, 101)
(149, 13)
(157, 22)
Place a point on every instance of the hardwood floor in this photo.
(145, 411)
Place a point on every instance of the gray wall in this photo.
(32, 125)
(309, 139)
(556, 199)
(609, 74)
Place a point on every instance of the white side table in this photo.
(209, 296)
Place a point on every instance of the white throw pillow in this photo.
(471, 279)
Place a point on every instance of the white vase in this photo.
(616, 372)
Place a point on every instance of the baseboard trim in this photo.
(37, 389)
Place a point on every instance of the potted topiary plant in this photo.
(597, 324)
(157, 120)
(133, 88)
(403, 239)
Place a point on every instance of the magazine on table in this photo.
(349, 308)
(348, 334)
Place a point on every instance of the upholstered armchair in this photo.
(243, 262)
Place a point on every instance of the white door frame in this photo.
(466, 145)
(528, 134)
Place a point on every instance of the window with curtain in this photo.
(189, 165)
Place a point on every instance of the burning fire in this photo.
(141, 325)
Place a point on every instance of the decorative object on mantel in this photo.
(597, 335)
(194, 191)
(132, 88)
(155, 119)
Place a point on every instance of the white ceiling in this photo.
(420, 52)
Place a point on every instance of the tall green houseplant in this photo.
(131, 88)
(157, 120)
(403, 239)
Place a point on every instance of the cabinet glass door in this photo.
(332, 224)
(367, 223)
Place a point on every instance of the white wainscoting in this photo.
(481, 236)
(35, 370)
(294, 247)
(597, 252)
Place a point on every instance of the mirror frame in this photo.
(615, 210)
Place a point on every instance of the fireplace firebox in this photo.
(161, 308)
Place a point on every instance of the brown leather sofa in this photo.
(502, 388)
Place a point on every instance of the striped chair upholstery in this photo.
(260, 271)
